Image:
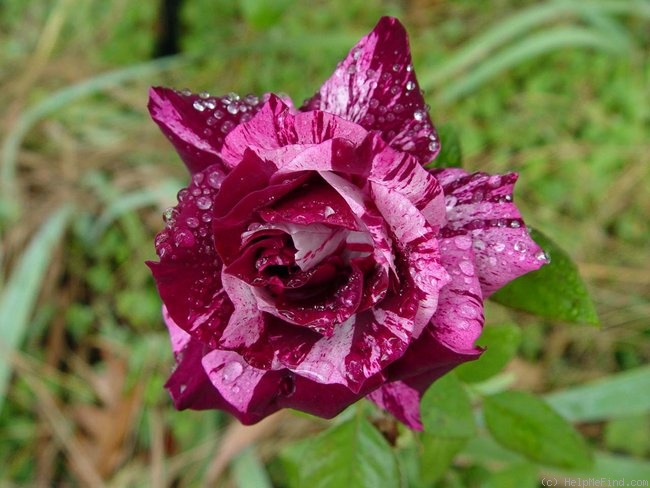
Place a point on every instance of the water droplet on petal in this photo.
(204, 203)
(184, 238)
(520, 246)
(467, 268)
(198, 105)
(396, 68)
(410, 85)
(542, 256)
(204, 94)
(251, 99)
(231, 371)
(192, 222)
(214, 180)
(463, 242)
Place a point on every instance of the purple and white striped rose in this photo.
(312, 260)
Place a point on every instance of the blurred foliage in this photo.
(554, 90)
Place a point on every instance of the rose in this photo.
(313, 260)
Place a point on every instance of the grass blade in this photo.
(534, 45)
(21, 291)
(57, 101)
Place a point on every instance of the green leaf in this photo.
(437, 455)
(630, 435)
(621, 395)
(555, 291)
(351, 454)
(446, 409)
(249, 472)
(21, 291)
(525, 424)
(521, 475)
(450, 155)
(501, 343)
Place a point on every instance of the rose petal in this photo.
(189, 271)
(251, 394)
(197, 124)
(458, 320)
(375, 86)
(481, 206)
(401, 400)
(246, 323)
(315, 202)
(188, 385)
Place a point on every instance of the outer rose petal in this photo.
(481, 206)
(196, 125)
(188, 275)
(188, 385)
(427, 359)
(401, 400)
(458, 320)
(376, 87)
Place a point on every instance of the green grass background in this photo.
(557, 91)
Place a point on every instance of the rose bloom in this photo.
(313, 260)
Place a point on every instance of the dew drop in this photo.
(467, 268)
(520, 246)
(163, 250)
(396, 68)
(204, 203)
(198, 105)
(192, 222)
(251, 99)
(204, 95)
(374, 103)
(197, 179)
(214, 180)
(499, 247)
(227, 126)
(410, 85)
(233, 108)
(169, 215)
(542, 256)
(394, 89)
(182, 195)
(328, 211)
(515, 224)
(186, 92)
(232, 371)
(463, 242)
(184, 238)
(419, 115)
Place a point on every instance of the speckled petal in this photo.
(401, 400)
(188, 275)
(375, 86)
(188, 384)
(481, 206)
(251, 394)
(458, 320)
(197, 124)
